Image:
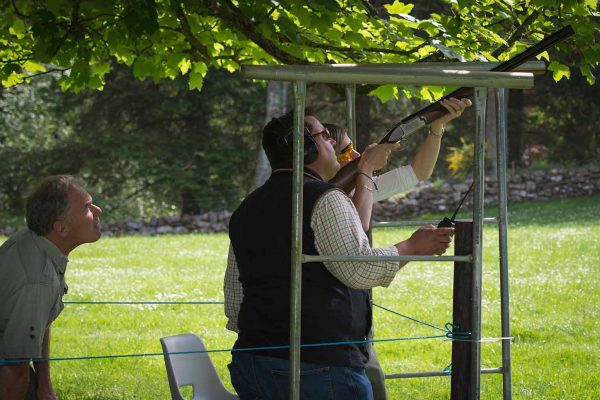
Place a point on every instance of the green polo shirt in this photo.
(31, 290)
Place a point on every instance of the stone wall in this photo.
(538, 185)
(444, 198)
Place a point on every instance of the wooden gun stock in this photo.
(346, 176)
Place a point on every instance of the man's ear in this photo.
(61, 228)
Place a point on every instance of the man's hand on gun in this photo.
(455, 109)
(375, 157)
(427, 240)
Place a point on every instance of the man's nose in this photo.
(96, 209)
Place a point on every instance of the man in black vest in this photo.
(335, 299)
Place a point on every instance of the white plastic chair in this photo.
(193, 369)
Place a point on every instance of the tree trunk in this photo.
(363, 121)
(276, 106)
(515, 126)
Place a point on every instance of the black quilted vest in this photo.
(261, 232)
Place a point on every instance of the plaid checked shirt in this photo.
(338, 231)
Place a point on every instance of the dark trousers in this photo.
(266, 378)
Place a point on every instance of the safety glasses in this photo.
(346, 153)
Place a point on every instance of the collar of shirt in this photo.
(307, 172)
(58, 258)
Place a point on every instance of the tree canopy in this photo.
(146, 143)
(166, 38)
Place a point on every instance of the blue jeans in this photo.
(266, 378)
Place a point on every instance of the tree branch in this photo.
(517, 34)
(347, 50)
(50, 71)
(230, 13)
(19, 13)
(199, 48)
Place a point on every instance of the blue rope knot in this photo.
(452, 334)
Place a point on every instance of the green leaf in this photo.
(544, 55)
(322, 23)
(427, 94)
(196, 80)
(335, 33)
(33, 67)
(399, 8)
(559, 71)
(200, 68)
(302, 14)
(101, 68)
(12, 80)
(184, 66)
(10, 68)
(96, 82)
(173, 62)
(589, 75)
(385, 92)
(356, 39)
(142, 68)
(429, 27)
(17, 28)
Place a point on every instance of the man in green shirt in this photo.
(60, 216)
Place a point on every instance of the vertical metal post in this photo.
(351, 111)
(503, 241)
(296, 267)
(478, 177)
(462, 300)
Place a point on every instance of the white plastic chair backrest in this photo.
(195, 369)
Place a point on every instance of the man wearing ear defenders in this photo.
(397, 180)
(60, 216)
(335, 301)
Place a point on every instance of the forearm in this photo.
(42, 368)
(427, 155)
(233, 291)
(395, 181)
(363, 199)
(425, 159)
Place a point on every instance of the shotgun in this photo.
(346, 176)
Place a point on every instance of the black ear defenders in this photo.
(310, 144)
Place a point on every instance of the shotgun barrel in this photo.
(346, 176)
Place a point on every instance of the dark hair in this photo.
(277, 140)
(337, 133)
(49, 202)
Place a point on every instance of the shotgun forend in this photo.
(346, 176)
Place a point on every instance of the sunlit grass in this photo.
(554, 272)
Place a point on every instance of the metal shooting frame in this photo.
(459, 74)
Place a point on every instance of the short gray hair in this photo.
(49, 202)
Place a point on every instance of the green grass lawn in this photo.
(554, 263)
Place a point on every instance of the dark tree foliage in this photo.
(563, 117)
(141, 146)
(176, 144)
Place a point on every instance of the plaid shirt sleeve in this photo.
(338, 231)
(234, 291)
(393, 182)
